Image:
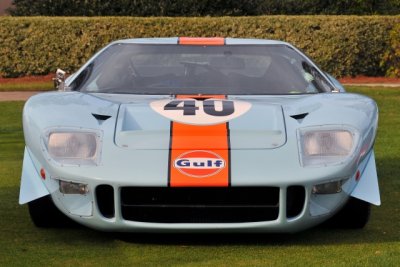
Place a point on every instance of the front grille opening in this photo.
(295, 198)
(105, 200)
(200, 205)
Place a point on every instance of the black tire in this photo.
(354, 215)
(44, 214)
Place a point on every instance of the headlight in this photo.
(75, 148)
(326, 146)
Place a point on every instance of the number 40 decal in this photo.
(189, 108)
(196, 112)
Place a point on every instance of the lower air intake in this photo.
(295, 199)
(200, 205)
(105, 200)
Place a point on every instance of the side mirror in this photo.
(59, 80)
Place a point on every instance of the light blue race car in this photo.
(199, 135)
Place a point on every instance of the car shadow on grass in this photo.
(315, 236)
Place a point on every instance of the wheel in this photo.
(45, 214)
(354, 215)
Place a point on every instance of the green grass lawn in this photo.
(31, 86)
(21, 244)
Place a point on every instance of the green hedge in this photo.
(391, 59)
(190, 8)
(341, 45)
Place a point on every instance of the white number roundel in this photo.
(196, 112)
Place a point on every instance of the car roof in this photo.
(175, 40)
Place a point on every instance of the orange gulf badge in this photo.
(199, 138)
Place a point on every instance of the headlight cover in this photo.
(326, 145)
(73, 147)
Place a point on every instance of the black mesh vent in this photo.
(200, 204)
(295, 200)
(105, 200)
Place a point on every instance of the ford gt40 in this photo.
(199, 135)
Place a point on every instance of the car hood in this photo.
(136, 139)
(146, 124)
(135, 121)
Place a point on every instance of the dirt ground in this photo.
(16, 96)
(28, 79)
(368, 80)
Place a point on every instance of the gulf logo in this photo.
(199, 163)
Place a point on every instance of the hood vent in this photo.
(100, 117)
(299, 117)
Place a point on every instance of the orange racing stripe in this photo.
(201, 41)
(199, 145)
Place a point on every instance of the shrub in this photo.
(391, 58)
(202, 7)
(341, 45)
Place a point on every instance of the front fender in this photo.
(367, 188)
(32, 186)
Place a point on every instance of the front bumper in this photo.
(107, 214)
(313, 210)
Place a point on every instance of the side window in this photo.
(336, 83)
(313, 76)
(81, 79)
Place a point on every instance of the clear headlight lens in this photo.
(324, 147)
(74, 148)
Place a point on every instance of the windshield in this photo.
(184, 69)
